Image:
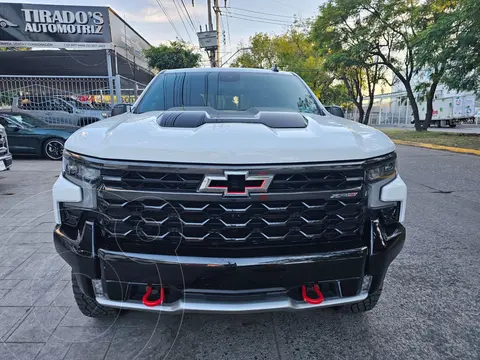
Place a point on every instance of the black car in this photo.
(335, 110)
(29, 135)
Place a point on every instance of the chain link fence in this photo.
(68, 100)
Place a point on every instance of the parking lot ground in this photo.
(429, 308)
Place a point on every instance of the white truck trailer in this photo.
(449, 111)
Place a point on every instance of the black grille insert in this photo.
(317, 181)
(243, 223)
(304, 181)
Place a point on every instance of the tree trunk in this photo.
(361, 114)
(371, 99)
(414, 105)
(369, 110)
(430, 97)
(429, 114)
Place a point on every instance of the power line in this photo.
(282, 3)
(188, 14)
(259, 12)
(195, 15)
(183, 22)
(261, 18)
(258, 21)
(159, 2)
(82, 63)
(228, 29)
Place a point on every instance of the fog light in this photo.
(367, 281)
(97, 287)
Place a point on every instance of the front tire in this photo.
(366, 305)
(88, 306)
(53, 149)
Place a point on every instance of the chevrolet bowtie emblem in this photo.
(236, 183)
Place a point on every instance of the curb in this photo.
(438, 147)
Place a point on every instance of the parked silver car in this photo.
(60, 110)
(5, 156)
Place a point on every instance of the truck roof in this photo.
(210, 70)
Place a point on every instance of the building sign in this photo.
(57, 26)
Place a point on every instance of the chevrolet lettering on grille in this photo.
(235, 183)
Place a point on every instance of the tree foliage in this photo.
(401, 36)
(352, 46)
(294, 51)
(175, 55)
(331, 32)
(463, 25)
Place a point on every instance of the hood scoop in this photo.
(193, 118)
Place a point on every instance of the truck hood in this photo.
(139, 137)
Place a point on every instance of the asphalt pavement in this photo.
(429, 308)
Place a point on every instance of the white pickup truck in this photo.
(229, 191)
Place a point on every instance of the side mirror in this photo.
(121, 109)
(335, 110)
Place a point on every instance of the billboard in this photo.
(54, 26)
(126, 41)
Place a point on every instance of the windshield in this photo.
(27, 121)
(228, 91)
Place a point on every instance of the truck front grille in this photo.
(152, 220)
(283, 182)
(153, 206)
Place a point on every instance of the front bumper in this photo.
(117, 276)
(6, 159)
(226, 285)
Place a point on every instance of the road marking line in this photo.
(437, 147)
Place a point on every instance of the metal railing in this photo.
(70, 100)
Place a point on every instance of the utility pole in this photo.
(210, 28)
(217, 15)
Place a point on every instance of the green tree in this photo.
(262, 54)
(331, 32)
(393, 34)
(463, 25)
(293, 51)
(435, 48)
(175, 55)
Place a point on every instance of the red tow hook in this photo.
(308, 299)
(152, 303)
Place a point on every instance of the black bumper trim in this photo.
(222, 274)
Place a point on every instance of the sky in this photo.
(148, 19)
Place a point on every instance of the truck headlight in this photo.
(79, 172)
(74, 168)
(383, 170)
(105, 114)
(378, 173)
